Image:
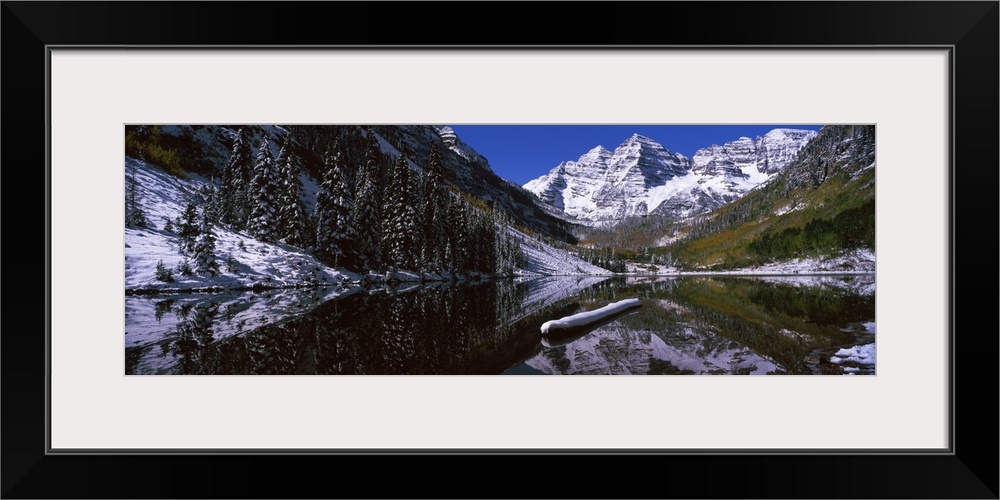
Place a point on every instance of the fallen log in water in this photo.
(585, 318)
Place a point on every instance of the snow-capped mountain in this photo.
(768, 154)
(643, 177)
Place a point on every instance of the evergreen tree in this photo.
(367, 213)
(134, 216)
(482, 243)
(291, 216)
(234, 197)
(184, 267)
(264, 192)
(508, 251)
(188, 229)
(163, 274)
(212, 206)
(457, 236)
(285, 153)
(399, 217)
(204, 247)
(335, 232)
(435, 216)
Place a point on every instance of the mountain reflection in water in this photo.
(686, 325)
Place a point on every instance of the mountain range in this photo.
(642, 177)
(789, 194)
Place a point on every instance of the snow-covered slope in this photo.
(545, 259)
(245, 262)
(251, 263)
(642, 177)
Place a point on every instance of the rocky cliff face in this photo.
(767, 154)
(642, 177)
(573, 181)
(847, 149)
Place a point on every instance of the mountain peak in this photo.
(599, 155)
(789, 134)
(645, 146)
(641, 139)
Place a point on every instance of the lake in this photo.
(798, 325)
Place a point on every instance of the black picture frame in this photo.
(969, 470)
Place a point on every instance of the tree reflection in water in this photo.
(685, 326)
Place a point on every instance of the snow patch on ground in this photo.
(855, 261)
(861, 354)
(642, 268)
(787, 209)
(668, 239)
(856, 360)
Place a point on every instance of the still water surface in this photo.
(686, 325)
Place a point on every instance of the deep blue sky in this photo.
(523, 152)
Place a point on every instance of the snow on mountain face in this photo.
(637, 165)
(640, 155)
(573, 181)
(768, 154)
(643, 177)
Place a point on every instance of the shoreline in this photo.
(367, 282)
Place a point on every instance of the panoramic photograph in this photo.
(499, 249)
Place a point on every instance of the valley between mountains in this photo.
(254, 207)
(291, 249)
